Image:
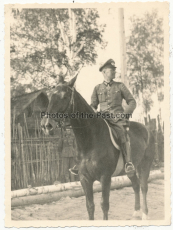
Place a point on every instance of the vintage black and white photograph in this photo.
(88, 99)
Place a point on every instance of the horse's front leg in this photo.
(88, 189)
(106, 184)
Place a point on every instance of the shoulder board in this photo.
(98, 86)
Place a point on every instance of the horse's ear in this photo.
(72, 82)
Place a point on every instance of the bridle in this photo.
(71, 103)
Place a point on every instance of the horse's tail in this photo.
(150, 143)
(146, 134)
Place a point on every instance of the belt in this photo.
(108, 110)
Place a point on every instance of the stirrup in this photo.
(74, 171)
(129, 169)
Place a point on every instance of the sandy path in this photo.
(121, 206)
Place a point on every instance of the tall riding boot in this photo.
(129, 167)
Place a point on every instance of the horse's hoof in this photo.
(145, 216)
(137, 213)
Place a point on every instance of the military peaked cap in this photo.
(110, 63)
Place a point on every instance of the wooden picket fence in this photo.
(157, 127)
(35, 160)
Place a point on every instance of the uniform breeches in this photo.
(120, 127)
(121, 131)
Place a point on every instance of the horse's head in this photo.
(59, 106)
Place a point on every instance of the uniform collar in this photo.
(108, 83)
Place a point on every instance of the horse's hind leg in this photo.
(106, 183)
(143, 176)
(88, 189)
(136, 188)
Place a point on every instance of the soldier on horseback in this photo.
(109, 95)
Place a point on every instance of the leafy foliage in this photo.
(50, 42)
(145, 57)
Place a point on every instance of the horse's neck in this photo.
(85, 129)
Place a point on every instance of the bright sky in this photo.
(90, 76)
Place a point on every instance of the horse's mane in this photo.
(84, 102)
(64, 85)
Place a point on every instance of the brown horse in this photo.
(98, 155)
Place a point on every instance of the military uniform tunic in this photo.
(67, 145)
(110, 96)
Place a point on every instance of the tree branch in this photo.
(79, 49)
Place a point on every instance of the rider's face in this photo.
(109, 74)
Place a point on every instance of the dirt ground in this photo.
(121, 206)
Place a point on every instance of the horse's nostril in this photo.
(43, 126)
(49, 126)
